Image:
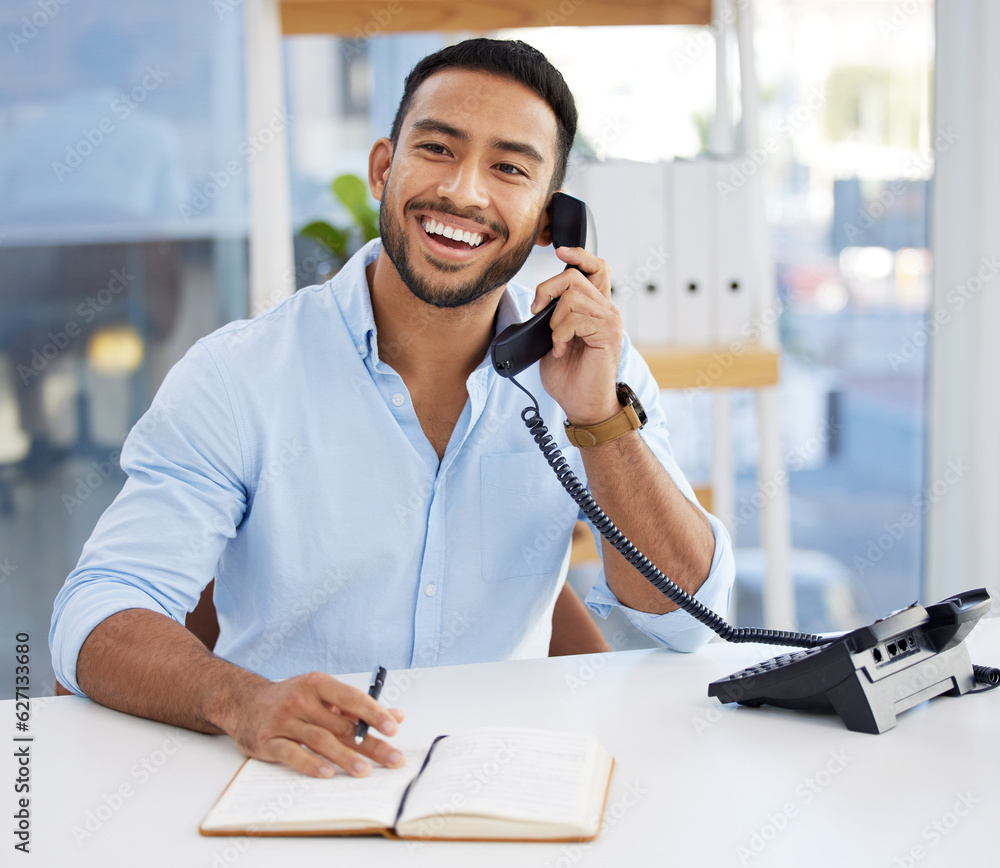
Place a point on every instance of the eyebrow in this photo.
(430, 125)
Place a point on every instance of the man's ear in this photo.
(544, 236)
(379, 161)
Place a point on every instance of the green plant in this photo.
(342, 242)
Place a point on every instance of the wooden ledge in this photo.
(732, 366)
(364, 18)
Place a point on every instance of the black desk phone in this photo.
(866, 676)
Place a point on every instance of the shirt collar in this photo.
(354, 298)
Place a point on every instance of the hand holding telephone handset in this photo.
(519, 346)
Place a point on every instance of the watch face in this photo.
(627, 397)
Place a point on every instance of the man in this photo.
(355, 474)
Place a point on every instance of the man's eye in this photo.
(509, 169)
(434, 148)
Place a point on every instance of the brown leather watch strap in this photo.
(603, 432)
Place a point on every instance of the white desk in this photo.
(696, 783)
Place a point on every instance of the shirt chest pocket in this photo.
(527, 517)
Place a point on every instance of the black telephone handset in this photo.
(521, 345)
(866, 676)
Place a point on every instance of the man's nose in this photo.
(465, 187)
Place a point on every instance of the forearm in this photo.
(639, 496)
(144, 663)
(573, 627)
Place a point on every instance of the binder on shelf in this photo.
(607, 189)
(734, 287)
(691, 216)
(650, 276)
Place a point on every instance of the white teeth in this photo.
(436, 227)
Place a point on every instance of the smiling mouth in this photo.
(453, 237)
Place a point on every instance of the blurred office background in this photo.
(123, 223)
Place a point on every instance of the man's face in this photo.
(463, 197)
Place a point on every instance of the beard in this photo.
(495, 274)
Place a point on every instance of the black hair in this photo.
(507, 58)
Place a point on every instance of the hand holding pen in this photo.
(309, 722)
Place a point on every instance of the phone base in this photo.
(873, 674)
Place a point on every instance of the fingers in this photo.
(595, 322)
(598, 271)
(381, 752)
(352, 702)
(593, 275)
(308, 723)
(316, 749)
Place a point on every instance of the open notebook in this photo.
(491, 784)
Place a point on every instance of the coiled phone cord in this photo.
(987, 675)
(578, 491)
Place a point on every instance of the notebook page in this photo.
(527, 775)
(267, 795)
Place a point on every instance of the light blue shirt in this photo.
(283, 456)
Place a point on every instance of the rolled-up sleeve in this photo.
(677, 630)
(158, 545)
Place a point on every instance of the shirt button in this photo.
(430, 590)
(361, 348)
(398, 399)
